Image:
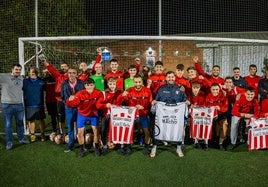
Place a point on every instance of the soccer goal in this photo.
(172, 50)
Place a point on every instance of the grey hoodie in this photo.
(11, 88)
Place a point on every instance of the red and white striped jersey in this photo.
(201, 122)
(258, 134)
(122, 124)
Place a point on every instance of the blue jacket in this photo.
(33, 92)
(170, 94)
(241, 82)
(66, 90)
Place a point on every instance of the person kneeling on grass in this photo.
(85, 100)
(244, 108)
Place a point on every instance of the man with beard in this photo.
(59, 77)
(12, 104)
(214, 77)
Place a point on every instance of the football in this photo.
(59, 139)
(52, 136)
(66, 139)
(89, 138)
(111, 145)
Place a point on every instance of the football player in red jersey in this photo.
(252, 79)
(115, 73)
(217, 99)
(244, 108)
(197, 99)
(109, 97)
(140, 97)
(84, 71)
(157, 79)
(214, 77)
(86, 100)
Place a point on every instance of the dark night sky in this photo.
(140, 17)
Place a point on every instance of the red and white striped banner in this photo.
(258, 134)
(122, 124)
(201, 122)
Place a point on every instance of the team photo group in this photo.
(143, 104)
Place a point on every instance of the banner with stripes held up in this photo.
(258, 134)
(201, 122)
(121, 126)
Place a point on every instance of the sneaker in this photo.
(153, 152)
(9, 145)
(180, 153)
(68, 149)
(97, 152)
(222, 148)
(128, 151)
(104, 151)
(81, 153)
(43, 137)
(197, 146)
(85, 148)
(33, 138)
(165, 143)
(24, 141)
(122, 151)
(231, 147)
(206, 147)
(146, 151)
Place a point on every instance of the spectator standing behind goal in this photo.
(33, 92)
(12, 104)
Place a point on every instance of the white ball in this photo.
(59, 139)
(52, 136)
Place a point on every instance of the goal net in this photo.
(172, 50)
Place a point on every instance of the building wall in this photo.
(126, 51)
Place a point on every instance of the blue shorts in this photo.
(82, 120)
(144, 121)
